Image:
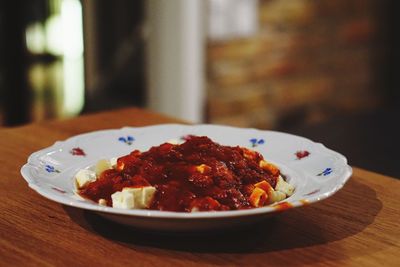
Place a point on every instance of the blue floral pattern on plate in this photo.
(127, 140)
(325, 172)
(255, 142)
(51, 169)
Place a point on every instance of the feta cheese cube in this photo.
(113, 162)
(284, 187)
(277, 196)
(147, 195)
(136, 193)
(83, 177)
(133, 197)
(102, 202)
(123, 200)
(102, 165)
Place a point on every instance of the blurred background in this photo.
(326, 70)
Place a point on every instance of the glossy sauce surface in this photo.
(198, 175)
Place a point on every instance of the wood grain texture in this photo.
(358, 226)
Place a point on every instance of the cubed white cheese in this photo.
(136, 193)
(123, 200)
(113, 162)
(276, 196)
(102, 165)
(147, 195)
(83, 177)
(102, 202)
(133, 197)
(284, 187)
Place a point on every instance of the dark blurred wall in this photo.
(308, 62)
(14, 91)
(390, 69)
(114, 54)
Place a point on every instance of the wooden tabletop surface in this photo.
(358, 226)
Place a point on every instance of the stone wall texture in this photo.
(311, 59)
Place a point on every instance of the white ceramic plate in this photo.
(316, 171)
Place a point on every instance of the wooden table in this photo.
(358, 226)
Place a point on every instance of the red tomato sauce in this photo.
(198, 175)
(283, 206)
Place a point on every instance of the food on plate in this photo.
(197, 175)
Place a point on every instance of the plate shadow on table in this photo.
(309, 226)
